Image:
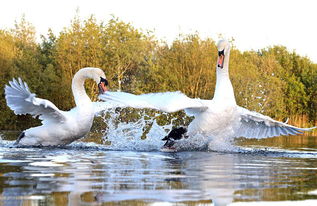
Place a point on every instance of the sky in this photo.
(254, 24)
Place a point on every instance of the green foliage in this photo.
(126, 50)
(273, 81)
(187, 65)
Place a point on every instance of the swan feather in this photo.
(165, 102)
(22, 101)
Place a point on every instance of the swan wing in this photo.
(99, 107)
(255, 125)
(165, 102)
(22, 101)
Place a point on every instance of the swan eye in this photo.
(221, 52)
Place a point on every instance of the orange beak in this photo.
(221, 60)
(102, 88)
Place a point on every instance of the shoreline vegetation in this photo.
(274, 81)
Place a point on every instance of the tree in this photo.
(273, 81)
(77, 47)
(125, 49)
(8, 51)
(188, 65)
(19, 59)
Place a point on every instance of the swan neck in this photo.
(226, 62)
(224, 90)
(79, 92)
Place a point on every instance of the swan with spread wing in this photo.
(218, 118)
(58, 127)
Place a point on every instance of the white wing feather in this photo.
(22, 101)
(166, 102)
(256, 125)
(99, 107)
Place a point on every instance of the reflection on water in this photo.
(91, 175)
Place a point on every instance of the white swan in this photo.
(58, 127)
(218, 118)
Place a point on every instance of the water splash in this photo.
(145, 130)
(145, 133)
(6, 143)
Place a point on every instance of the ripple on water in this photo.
(96, 173)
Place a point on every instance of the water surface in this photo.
(279, 169)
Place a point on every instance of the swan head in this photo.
(98, 76)
(223, 52)
(102, 85)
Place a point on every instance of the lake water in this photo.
(283, 170)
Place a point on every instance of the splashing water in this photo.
(143, 130)
(145, 133)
